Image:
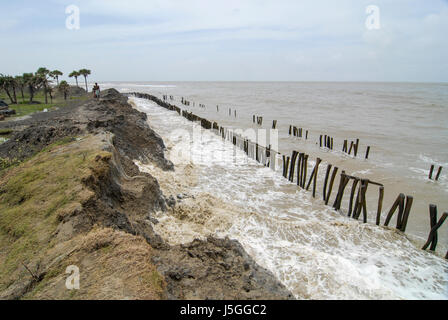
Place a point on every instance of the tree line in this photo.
(41, 79)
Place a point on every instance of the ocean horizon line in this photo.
(274, 81)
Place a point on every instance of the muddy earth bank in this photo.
(110, 227)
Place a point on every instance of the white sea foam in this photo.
(316, 252)
(427, 159)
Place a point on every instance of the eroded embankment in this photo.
(70, 194)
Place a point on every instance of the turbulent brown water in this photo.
(315, 251)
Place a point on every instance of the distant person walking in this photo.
(96, 90)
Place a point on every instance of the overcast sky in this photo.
(202, 40)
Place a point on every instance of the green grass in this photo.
(4, 132)
(24, 107)
(31, 195)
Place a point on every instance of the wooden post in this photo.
(438, 173)
(342, 184)
(256, 152)
(433, 222)
(274, 124)
(324, 193)
(311, 178)
(430, 171)
(407, 210)
(356, 147)
(333, 176)
(292, 166)
(253, 119)
(325, 141)
(380, 205)
(398, 202)
(315, 177)
(320, 141)
(351, 146)
(352, 195)
(305, 167)
(312, 174)
(364, 202)
(344, 147)
(367, 152)
(306, 135)
(284, 165)
(360, 199)
(331, 145)
(302, 169)
(400, 213)
(299, 168)
(432, 238)
(358, 202)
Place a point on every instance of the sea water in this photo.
(316, 252)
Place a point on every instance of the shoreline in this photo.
(418, 227)
(313, 222)
(109, 213)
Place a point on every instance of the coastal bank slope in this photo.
(71, 195)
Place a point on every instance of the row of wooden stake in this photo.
(328, 142)
(297, 132)
(166, 97)
(438, 172)
(356, 206)
(259, 120)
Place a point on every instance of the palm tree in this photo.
(64, 88)
(33, 82)
(43, 74)
(55, 75)
(50, 93)
(20, 81)
(5, 86)
(7, 83)
(75, 74)
(85, 73)
(13, 84)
